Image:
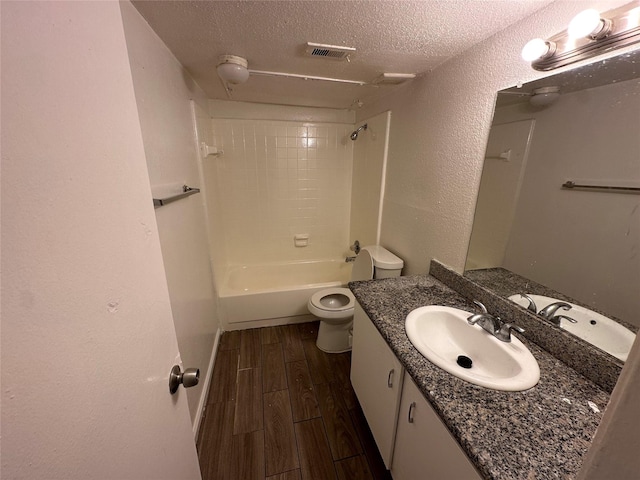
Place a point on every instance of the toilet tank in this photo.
(385, 263)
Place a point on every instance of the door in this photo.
(87, 332)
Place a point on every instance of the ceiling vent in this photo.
(332, 52)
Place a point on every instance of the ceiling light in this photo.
(538, 48)
(542, 97)
(589, 24)
(232, 69)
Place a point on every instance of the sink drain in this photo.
(464, 361)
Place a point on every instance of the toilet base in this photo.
(335, 338)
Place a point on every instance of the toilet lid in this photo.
(333, 304)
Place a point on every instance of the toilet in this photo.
(334, 306)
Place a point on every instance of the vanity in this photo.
(429, 423)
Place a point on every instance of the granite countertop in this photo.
(540, 433)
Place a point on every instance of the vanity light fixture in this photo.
(589, 34)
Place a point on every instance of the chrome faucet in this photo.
(504, 333)
(492, 324)
(487, 321)
(532, 305)
(549, 312)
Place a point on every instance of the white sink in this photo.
(598, 330)
(442, 334)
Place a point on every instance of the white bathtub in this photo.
(251, 293)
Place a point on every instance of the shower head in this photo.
(354, 135)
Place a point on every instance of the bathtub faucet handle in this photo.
(355, 247)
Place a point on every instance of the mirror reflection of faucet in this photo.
(549, 312)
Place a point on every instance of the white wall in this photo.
(278, 178)
(163, 92)
(440, 128)
(367, 187)
(87, 332)
(582, 243)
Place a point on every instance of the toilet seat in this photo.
(343, 309)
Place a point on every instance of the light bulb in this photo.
(589, 24)
(536, 49)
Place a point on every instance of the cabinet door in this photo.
(376, 376)
(424, 448)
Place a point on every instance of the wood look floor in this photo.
(281, 409)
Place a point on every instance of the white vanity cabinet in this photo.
(411, 438)
(376, 376)
(424, 447)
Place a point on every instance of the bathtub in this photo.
(276, 292)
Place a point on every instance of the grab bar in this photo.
(186, 191)
(571, 185)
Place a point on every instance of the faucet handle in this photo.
(504, 333)
(563, 317)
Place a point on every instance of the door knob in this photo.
(188, 378)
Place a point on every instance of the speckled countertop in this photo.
(540, 433)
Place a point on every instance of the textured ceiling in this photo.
(389, 36)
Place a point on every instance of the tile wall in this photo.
(277, 179)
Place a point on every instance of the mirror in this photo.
(533, 235)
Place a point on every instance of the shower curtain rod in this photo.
(308, 77)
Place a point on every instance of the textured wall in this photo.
(163, 92)
(440, 127)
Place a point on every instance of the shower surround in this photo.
(277, 179)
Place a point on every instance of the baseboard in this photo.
(205, 387)
(269, 322)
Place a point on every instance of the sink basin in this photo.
(442, 335)
(598, 330)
